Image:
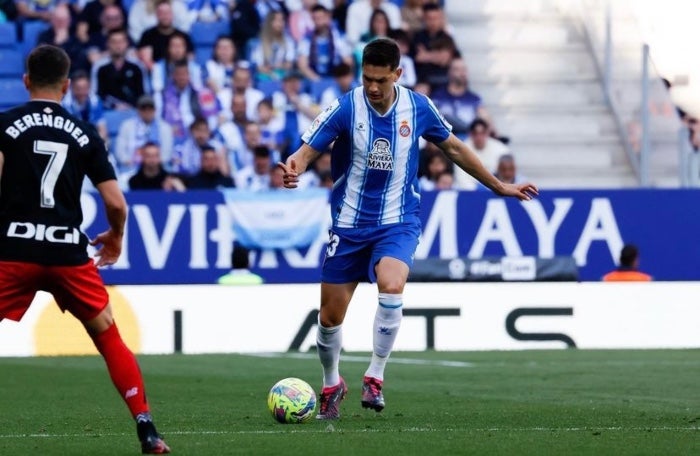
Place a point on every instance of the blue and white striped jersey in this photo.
(375, 157)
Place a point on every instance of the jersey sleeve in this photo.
(98, 168)
(326, 127)
(435, 128)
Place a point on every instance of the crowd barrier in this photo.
(186, 238)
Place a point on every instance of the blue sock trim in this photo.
(390, 306)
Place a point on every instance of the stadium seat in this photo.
(206, 33)
(31, 32)
(268, 87)
(12, 92)
(8, 35)
(11, 63)
(114, 119)
(316, 88)
(202, 54)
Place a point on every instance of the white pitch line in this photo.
(330, 429)
(365, 359)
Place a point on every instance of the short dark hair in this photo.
(628, 255)
(319, 7)
(341, 69)
(207, 148)
(400, 36)
(476, 123)
(382, 52)
(198, 121)
(261, 152)
(47, 65)
(79, 74)
(119, 31)
(431, 7)
(151, 144)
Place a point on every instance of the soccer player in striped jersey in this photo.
(375, 198)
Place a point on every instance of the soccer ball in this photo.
(291, 400)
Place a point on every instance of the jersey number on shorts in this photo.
(57, 153)
(333, 241)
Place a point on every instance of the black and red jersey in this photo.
(47, 154)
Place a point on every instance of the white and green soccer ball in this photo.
(291, 400)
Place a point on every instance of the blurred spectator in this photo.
(180, 102)
(84, 105)
(276, 178)
(245, 24)
(378, 28)
(112, 18)
(143, 128)
(436, 164)
(340, 14)
(506, 171)
(319, 168)
(297, 110)
(408, 69)
(270, 126)
(187, 157)
(433, 48)
(256, 176)
(456, 102)
(422, 87)
(209, 174)
(300, 22)
(325, 180)
(59, 34)
(207, 10)
(488, 149)
(273, 54)
(444, 181)
(151, 175)
(240, 274)
(628, 270)
(242, 83)
(323, 48)
(91, 20)
(117, 81)
(37, 9)
(357, 22)
(153, 42)
(176, 52)
(412, 16)
(219, 69)
(143, 14)
(230, 133)
(344, 79)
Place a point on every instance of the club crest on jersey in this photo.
(380, 155)
(404, 129)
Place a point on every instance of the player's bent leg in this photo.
(334, 303)
(391, 279)
(126, 376)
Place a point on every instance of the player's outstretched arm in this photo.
(115, 208)
(297, 164)
(466, 159)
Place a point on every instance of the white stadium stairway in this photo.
(531, 63)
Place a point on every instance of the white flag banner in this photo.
(278, 219)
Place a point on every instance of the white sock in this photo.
(329, 342)
(387, 321)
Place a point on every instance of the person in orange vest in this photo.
(628, 271)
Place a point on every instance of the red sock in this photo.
(123, 368)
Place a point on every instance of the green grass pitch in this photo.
(565, 402)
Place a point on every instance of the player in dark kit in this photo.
(45, 153)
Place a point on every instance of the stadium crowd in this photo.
(193, 94)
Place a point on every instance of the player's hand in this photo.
(111, 248)
(291, 176)
(524, 192)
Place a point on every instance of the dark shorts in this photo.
(77, 289)
(352, 253)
